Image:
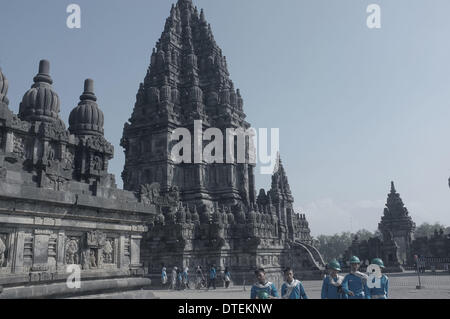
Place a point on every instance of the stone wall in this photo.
(59, 206)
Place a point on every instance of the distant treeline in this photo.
(334, 246)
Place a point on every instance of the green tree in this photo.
(427, 230)
(364, 234)
(334, 246)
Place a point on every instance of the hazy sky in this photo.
(356, 107)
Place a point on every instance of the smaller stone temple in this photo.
(397, 225)
(59, 205)
(395, 244)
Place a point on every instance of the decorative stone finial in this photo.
(44, 72)
(393, 191)
(41, 103)
(202, 16)
(88, 93)
(87, 118)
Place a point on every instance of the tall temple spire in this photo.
(396, 224)
(187, 81)
(277, 163)
(280, 185)
(187, 54)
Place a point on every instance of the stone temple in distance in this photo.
(59, 206)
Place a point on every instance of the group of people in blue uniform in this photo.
(179, 278)
(355, 285)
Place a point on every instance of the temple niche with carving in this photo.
(219, 218)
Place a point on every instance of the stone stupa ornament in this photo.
(87, 118)
(41, 102)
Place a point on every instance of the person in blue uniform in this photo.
(263, 289)
(227, 277)
(186, 278)
(164, 278)
(212, 277)
(382, 292)
(173, 283)
(292, 288)
(332, 283)
(355, 283)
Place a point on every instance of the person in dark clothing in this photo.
(212, 277)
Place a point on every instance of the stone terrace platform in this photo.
(402, 286)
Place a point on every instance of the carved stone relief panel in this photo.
(52, 251)
(96, 164)
(28, 251)
(68, 159)
(109, 251)
(95, 239)
(72, 251)
(40, 249)
(93, 258)
(127, 252)
(3, 250)
(18, 146)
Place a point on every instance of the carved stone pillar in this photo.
(40, 250)
(9, 144)
(19, 246)
(60, 265)
(121, 253)
(135, 251)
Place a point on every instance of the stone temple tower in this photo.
(397, 225)
(208, 212)
(187, 81)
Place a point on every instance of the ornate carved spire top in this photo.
(187, 54)
(393, 191)
(395, 204)
(87, 118)
(202, 16)
(185, 3)
(396, 221)
(44, 73)
(280, 184)
(41, 103)
(88, 94)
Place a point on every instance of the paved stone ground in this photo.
(402, 286)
